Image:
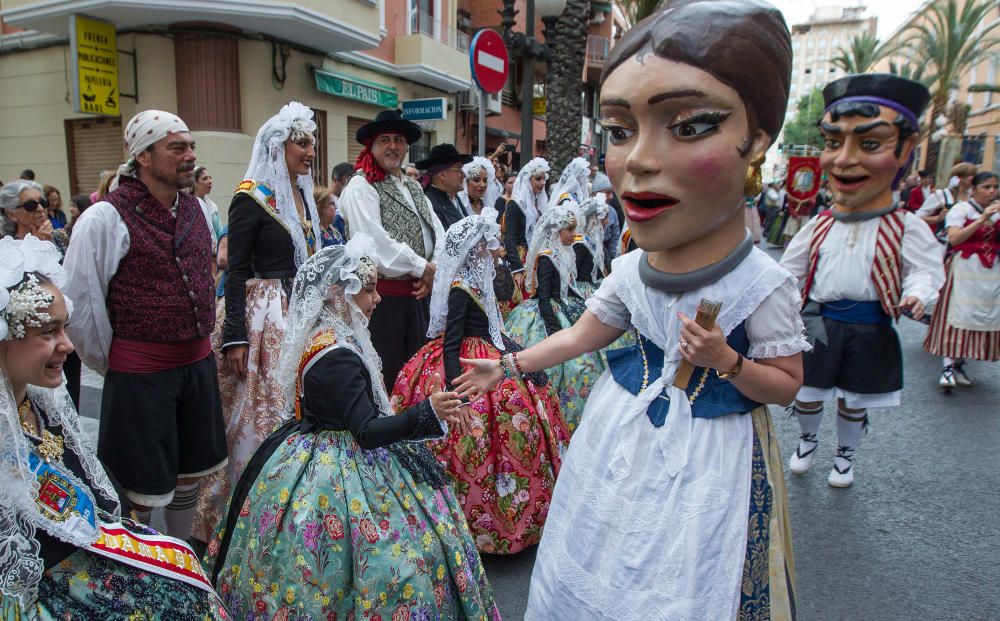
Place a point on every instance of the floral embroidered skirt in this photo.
(571, 380)
(503, 471)
(253, 408)
(89, 586)
(328, 530)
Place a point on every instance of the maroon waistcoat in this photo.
(163, 289)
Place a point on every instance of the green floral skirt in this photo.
(328, 530)
(571, 380)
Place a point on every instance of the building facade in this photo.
(224, 67)
(978, 141)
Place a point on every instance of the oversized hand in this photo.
(482, 376)
(914, 306)
(705, 348)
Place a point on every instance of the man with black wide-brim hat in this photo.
(383, 202)
(862, 263)
(443, 181)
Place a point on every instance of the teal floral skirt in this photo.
(328, 530)
(571, 380)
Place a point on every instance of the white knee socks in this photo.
(179, 514)
(809, 421)
(850, 428)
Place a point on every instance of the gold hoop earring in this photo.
(753, 183)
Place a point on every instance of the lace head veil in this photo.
(588, 223)
(267, 165)
(572, 181)
(323, 299)
(21, 565)
(530, 203)
(475, 167)
(547, 239)
(467, 259)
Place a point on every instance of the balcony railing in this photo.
(597, 49)
(422, 22)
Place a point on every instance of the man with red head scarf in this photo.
(390, 207)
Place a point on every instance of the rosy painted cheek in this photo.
(705, 168)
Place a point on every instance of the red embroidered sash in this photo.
(887, 268)
(157, 554)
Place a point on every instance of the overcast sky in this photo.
(890, 13)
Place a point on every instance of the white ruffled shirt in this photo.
(847, 255)
(359, 206)
(100, 241)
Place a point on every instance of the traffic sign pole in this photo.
(482, 123)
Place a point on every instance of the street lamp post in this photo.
(529, 49)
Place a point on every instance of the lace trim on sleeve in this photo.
(779, 348)
(607, 315)
(429, 426)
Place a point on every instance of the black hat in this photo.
(443, 154)
(389, 121)
(913, 96)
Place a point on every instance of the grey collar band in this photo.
(689, 281)
(850, 216)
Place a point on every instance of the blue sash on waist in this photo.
(717, 397)
(851, 311)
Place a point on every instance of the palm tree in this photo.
(564, 106)
(949, 42)
(861, 53)
(638, 10)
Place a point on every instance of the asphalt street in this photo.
(916, 537)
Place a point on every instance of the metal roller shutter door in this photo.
(96, 145)
(353, 148)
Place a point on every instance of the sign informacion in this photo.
(489, 61)
(94, 50)
(356, 88)
(804, 178)
(433, 109)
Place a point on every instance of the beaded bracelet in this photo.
(505, 366)
(517, 364)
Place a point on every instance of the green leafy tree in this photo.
(804, 128)
(949, 42)
(861, 54)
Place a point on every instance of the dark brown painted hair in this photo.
(745, 44)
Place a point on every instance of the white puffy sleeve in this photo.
(775, 329)
(359, 205)
(100, 241)
(608, 307)
(958, 214)
(796, 256)
(923, 261)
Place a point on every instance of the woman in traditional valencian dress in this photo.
(479, 189)
(551, 273)
(670, 503)
(966, 322)
(588, 244)
(273, 228)
(343, 513)
(65, 550)
(573, 184)
(528, 202)
(505, 466)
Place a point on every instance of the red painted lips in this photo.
(644, 206)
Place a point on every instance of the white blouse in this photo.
(847, 255)
(359, 206)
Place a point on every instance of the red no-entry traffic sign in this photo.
(489, 61)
